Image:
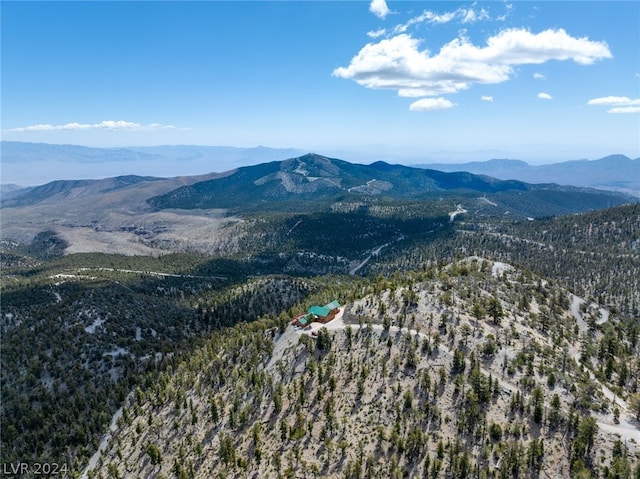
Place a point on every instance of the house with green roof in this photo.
(324, 314)
(319, 311)
(320, 314)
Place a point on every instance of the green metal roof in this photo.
(332, 305)
(321, 311)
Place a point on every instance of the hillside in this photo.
(63, 190)
(474, 368)
(595, 254)
(119, 322)
(78, 332)
(108, 216)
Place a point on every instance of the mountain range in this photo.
(148, 215)
(614, 172)
(27, 164)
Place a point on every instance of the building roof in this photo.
(332, 305)
(321, 311)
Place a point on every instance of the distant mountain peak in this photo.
(383, 165)
(313, 157)
(311, 165)
(618, 159)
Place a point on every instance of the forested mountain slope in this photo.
(80, 332)
(595, 254)
(475, 369)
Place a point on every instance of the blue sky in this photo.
(435, 81)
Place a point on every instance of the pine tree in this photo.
(494, 309)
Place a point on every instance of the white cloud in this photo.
(625, 109)
(430, 17)
(544, 96)
(470, 15)
(614, 101)
(377, 33)
(621, 104)
(463, 15)
(379, 8)
(103, 125)
(486, 98)
(428, 104)
(504, 16)
(520, 47)
(539, 76)
(397, 63)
